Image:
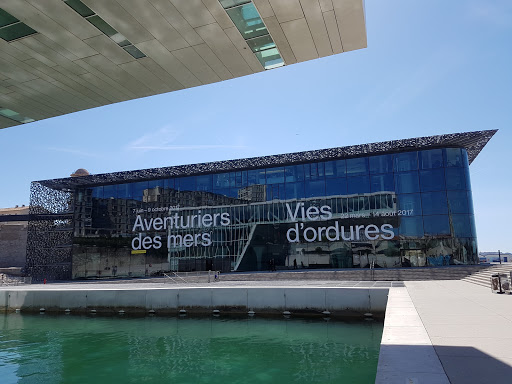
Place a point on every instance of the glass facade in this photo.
(87, 13)
(11, 28)
(406, 209)
(250, 24)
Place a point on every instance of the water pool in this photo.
(90, 349)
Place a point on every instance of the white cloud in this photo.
(164, 139)
(184, 147)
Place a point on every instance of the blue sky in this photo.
(430, 68)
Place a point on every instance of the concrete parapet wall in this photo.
(200, 299)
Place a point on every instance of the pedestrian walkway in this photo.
(469, 328)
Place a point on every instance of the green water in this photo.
(88, 349)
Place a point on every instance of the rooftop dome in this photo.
(80, 172)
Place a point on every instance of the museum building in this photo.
(401, 203)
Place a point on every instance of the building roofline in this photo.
(473, 142)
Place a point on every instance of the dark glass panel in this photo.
(104, 27)
(335, 168)
(221, 180)
(13, 115)
(341, 168)
(455, 178)
(248, 21)
(124, 191)
(134, 51)
(352, 204)
(156, 183)
(295, 191)
(472, 224)
(405, 161)
(410, 203)
(232, 3)
(390, 249)
(256, 176)
(383, 182)
(458, 202)
(294, 173)
(461, 225)
(6, 18)
(275, 192)
(16, 31)
(335, 187)
(261, 43)
(375, 202)
(270, 58)
(468, 179)
(169, 184)
(432, 180)
(80, 7)
(186, 183)
(465, 161)
(97, 192)
(357, 166)
(204, 183)
(433, 158)
(275, 175)
(330, 169)
(109, 191)
(453, 157)
(138, 190)
(381, 164)
(315, 188)
(240, 179)
(434, 203)
(314, 171)
(436, 225)
(360, 184)
(470, 202)
(232, 179)
(407, 182)
(411, 226)
(387, 201)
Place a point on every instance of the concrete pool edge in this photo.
(341, 301)
(407, 354)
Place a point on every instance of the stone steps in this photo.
(483, 277)
(379, 274)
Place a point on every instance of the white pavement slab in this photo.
(406, 352)
(469, 327)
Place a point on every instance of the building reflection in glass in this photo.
(424, 196)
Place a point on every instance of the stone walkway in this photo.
(468, 327)
(136, 284)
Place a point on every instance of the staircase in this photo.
(361, 274)
(483, 277)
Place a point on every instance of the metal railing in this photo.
(193, 277)
(14, 280)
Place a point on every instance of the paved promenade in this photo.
(161, 283)
(468, 327)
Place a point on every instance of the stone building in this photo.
(13, 236)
